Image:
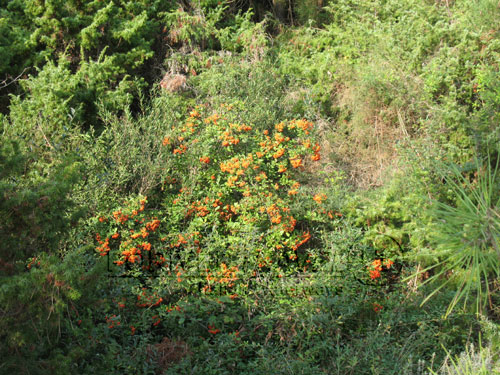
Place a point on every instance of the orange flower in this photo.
(388, 263)
(296, 162)
(319, 198)
(116, 235)
(278, 153)
(166, 141)
(306, 236)
(180, 150)
(315, 157)
(374, 274)
(205, 159)
(212, 330)
(281, 168)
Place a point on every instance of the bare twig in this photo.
(5, 82)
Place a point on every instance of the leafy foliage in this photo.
(199, 187)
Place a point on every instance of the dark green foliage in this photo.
(36, 208)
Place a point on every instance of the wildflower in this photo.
(374, 274)
(281, 168)
(319, 198)
(180, 150)
(388, 263)
(212, 330)
(205, 159)
(377, 307)
(279, 137)
(278, 153)
(306, 236)
(296, 162)
(166, 141)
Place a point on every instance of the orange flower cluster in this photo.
(131, 255)
(199, 207)
(376, 267)
(316, 155)
(302, 124)
(144, 300)
(236, 166)
(224, 276)
(290, 226)
(228, 139)
(240, 128)
(296, 162)
(205, 159)
(319, 198)
(180, 150)
(228, 212)
(104, 248)
(119, 217)
(279, 127)
(278, 153)
(274, 213)
(212, 330)
(294, 189)
(306, 236)
(153, 225)
(213, 118)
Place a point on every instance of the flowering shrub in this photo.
(229, 211)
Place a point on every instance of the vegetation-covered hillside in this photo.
(250, 187)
